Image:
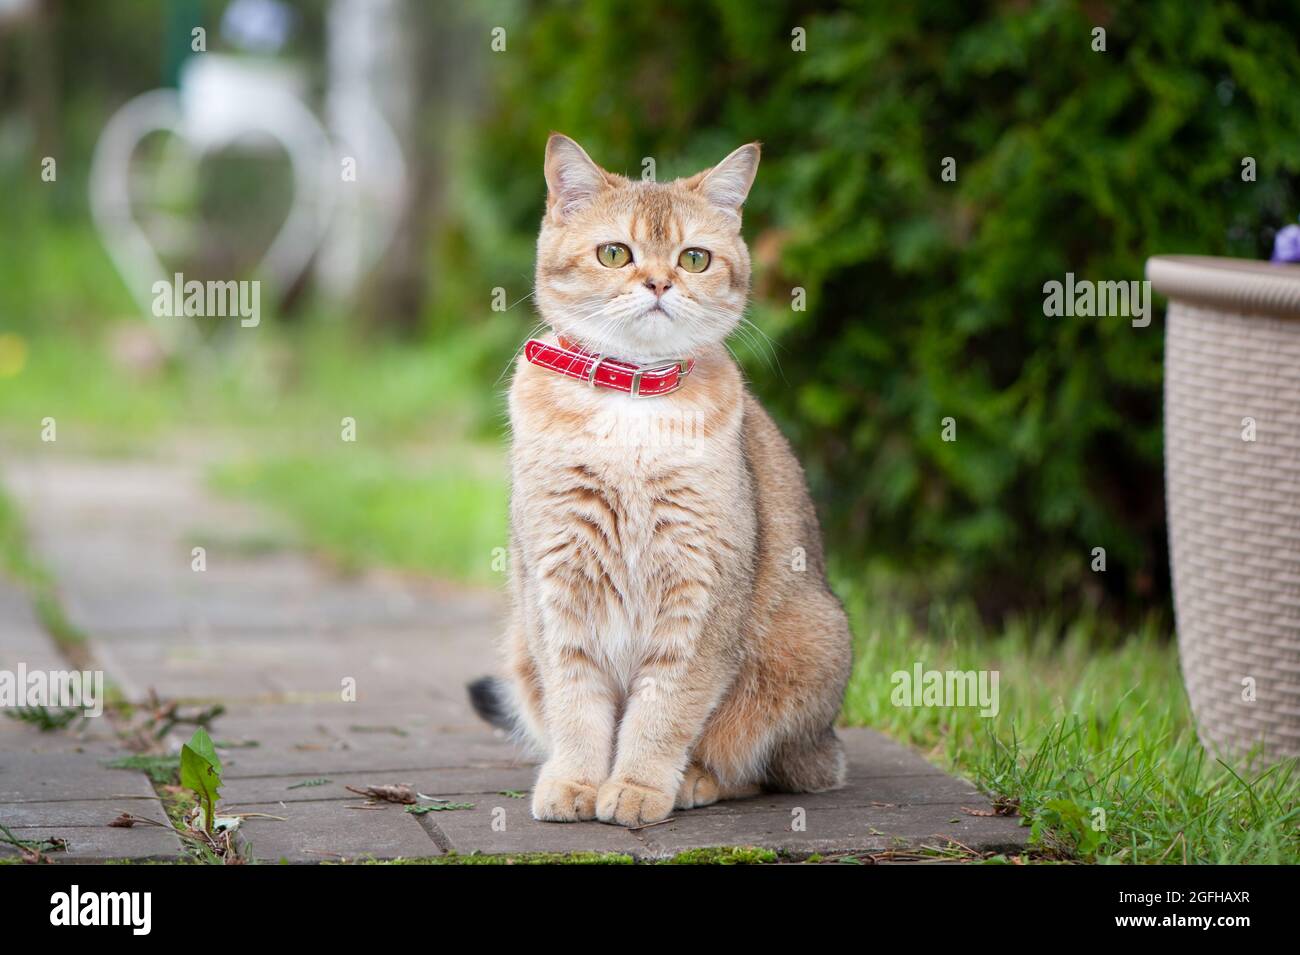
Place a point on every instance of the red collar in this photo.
(640, 381)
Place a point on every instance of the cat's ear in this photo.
(572, 179)
(727, 184)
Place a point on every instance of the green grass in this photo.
(422, 486)
(723, 855)
(1085, 724)
(15, 561)
(445, 517)
(18, 564)
(164, 770)
(273, 389)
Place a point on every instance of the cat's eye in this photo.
(694, 260)
(614, 255)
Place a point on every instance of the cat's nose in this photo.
(658, 286)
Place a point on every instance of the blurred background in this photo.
(377, 164)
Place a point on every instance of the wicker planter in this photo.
(1232, 352)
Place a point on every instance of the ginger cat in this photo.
(673, 640)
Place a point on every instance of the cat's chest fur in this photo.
(626, 510)
(628, 491)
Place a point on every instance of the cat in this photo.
(673, 640)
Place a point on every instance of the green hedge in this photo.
(925, 297)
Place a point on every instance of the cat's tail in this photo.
(490, 698)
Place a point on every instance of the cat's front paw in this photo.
(699, 788)
(563, 800)
(627, 804)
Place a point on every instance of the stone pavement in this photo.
(277, 637)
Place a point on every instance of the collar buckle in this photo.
(683, 369)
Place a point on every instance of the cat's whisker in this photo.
(766, 338)
(760, 343)
(523, 299)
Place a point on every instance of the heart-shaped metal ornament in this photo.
(222, 101)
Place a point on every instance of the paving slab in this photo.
(53, 777)
(24, 642)
(845, 829)
(77, 813)
(273, 635)
(877, 792)
(74, 796)
(499, 825)
(455, 782)
(94, 737)
(445, 751)
(140, 609)
(307, 718)
(872, 755)
(332, 831)
(105, 844)
(22, 639)
(881, 808)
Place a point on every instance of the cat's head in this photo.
(642, 270)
